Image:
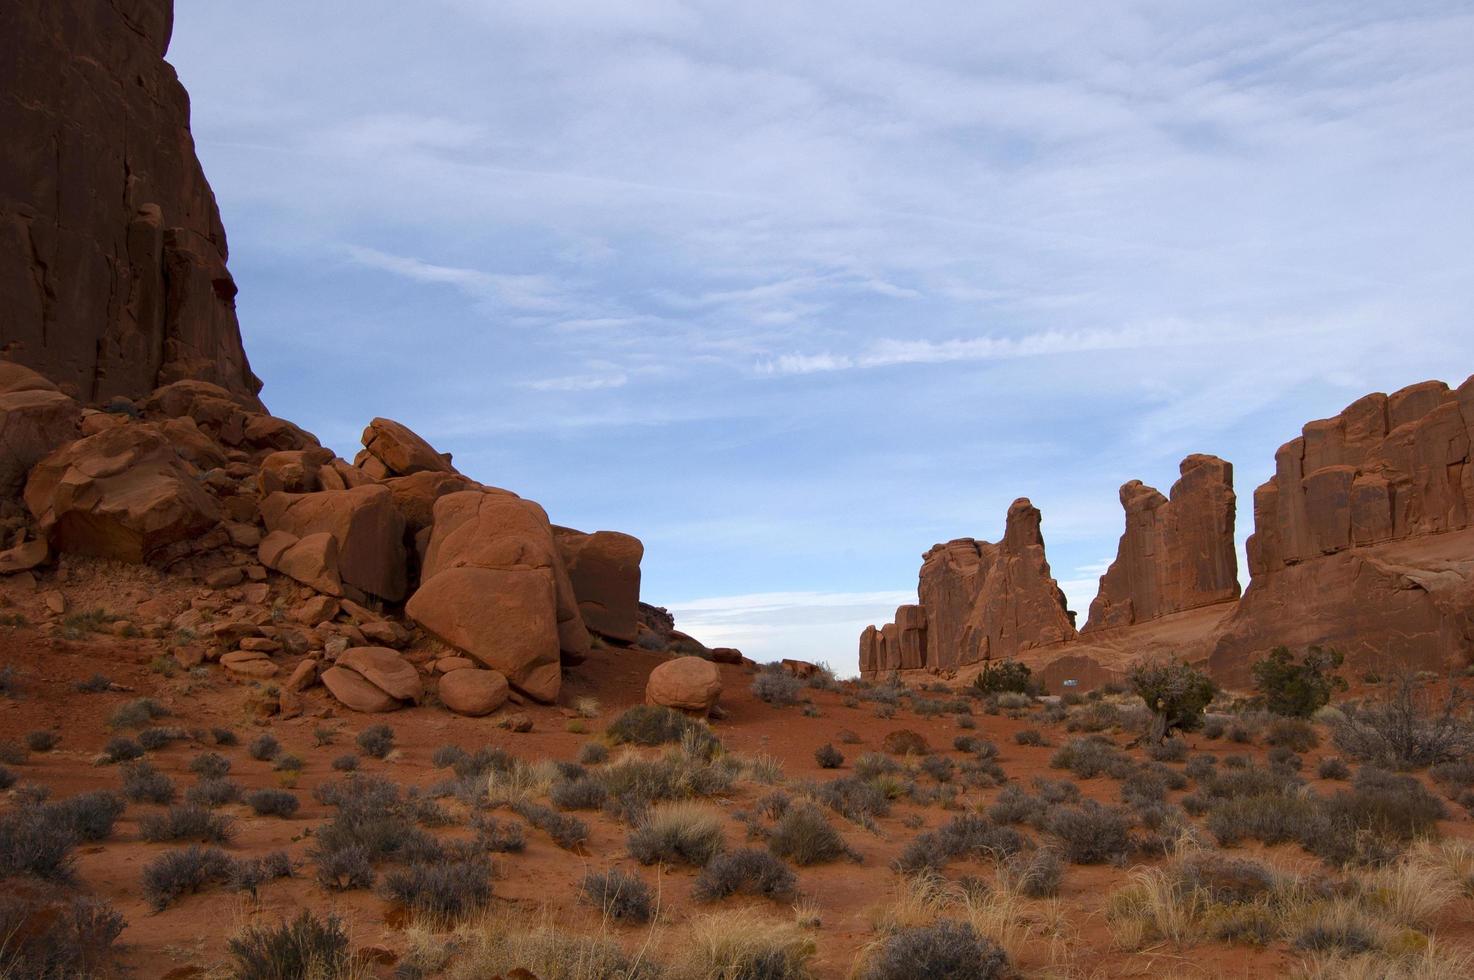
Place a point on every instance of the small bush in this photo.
(1297, 690)
(56, 938)
(777, 686)
(1090, 757)
(593, 754)
(748, 871)
(446, 888)
(1029, 736)
(213, 792)
(566, 831)
(828, 756)
(186, 821)
(1035, 874)
(7, 778)
(264, 748)
(1004, 675)
(96, 684)
(136, 713)
(224, 736)
(272, 802)
(1332, 767)
(647, 724)
(1170, 750)
(946, 948)
(498, 836)
(447, 756)
(346, 763)
(304, 947)
(36, 841)
(121, 749)
(619, 895)
(578, 794)
(1091, 833)
(250, 874)
(42, 741)
(804, 837)
(344, 868)
(678, 833)
(1175, 694)
(184, 872)
(376, 741)
(209, 765)
(1295, 734)
(154, 739)
(142, 783)
(1409, 730)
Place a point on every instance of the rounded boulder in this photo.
(688, 684)
(473, 691)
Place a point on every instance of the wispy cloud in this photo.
(579, 382)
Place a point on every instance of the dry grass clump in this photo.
(500, 943)
(999, 916)
(305, 947)
(678, 833)
(730, 945)
(522, 782)
(1208, 896)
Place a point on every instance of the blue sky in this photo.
(793, 291)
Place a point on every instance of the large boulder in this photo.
(604, 568)
(292, 471)
(687, 684)
(400, 451)
(415, 495)
(473, 692)
(497, 530)
(504, 618)
(355, 691)
(35, 419)
(123, 493)
(365, 524)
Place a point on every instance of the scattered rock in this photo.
(367, 530)
(303, 676)
(400, 451)
(386, 670)
(353, 691)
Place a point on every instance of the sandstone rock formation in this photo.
(365, 526)
(35, 418)
(688, 684)
(494, 586)
(112, 255)
(604, 568)
(123, 493)
(1176, 553)
(979, 601)
(393, 449)
(1364, 537)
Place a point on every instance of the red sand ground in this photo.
(188, 938)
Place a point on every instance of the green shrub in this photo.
(647, 724)
(1297, 690)
(1175, 694)
(1004, 675)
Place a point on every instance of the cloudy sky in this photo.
(792, 291)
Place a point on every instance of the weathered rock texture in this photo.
(979, 601)
(1176, 553)
(604, 568)
(112, 255)
(1364, 537)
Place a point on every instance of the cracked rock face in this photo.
(112, 254)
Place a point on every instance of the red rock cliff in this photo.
(112, 255)
(1176, 553)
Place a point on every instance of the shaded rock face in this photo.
(604, 569)
(35, 418)
(112, 255)
(979, 601)
(1176, 553)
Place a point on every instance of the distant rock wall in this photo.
(979, 601)
(1363, 541)
(1176, 553)
(112, 254)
